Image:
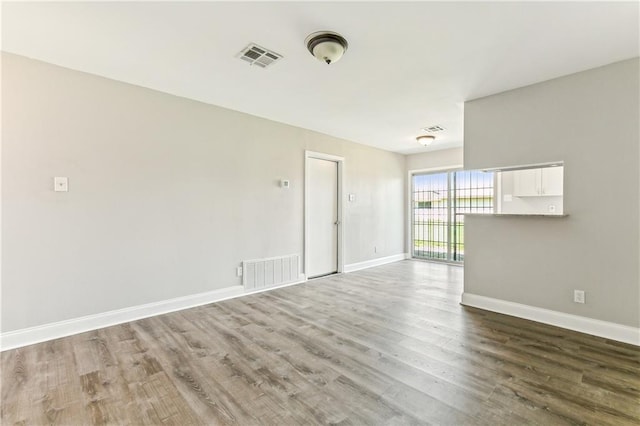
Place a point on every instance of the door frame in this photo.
(409, 218)
(308, 155)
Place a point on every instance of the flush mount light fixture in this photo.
(326, 46)
(425, 140)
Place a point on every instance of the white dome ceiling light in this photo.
(326, 46)
(425, 140)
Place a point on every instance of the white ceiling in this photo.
(409, 65)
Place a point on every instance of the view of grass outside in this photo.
(437, 244)
(439, 203)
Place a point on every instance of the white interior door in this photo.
(322, 205)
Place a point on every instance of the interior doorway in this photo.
(323, 214)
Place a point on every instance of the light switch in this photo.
(61, 184)
(352, 197)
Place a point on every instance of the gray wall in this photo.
(590, 120)
(167, 195)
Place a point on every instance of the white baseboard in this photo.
(608, 330)
(374, 262)
(55, 330)
(301, 279)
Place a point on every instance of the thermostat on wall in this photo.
(60, 184)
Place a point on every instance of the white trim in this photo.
(375, 262)
(340, 160)
(523, 166)
(410, 173)
(302, 278)
(55, 330)
(608, 330)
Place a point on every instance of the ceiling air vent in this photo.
(258, 56)
(433, 129)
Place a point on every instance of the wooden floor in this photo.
(385, 346)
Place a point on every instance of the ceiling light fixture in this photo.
(425, 140)
(326, 46)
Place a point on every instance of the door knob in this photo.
(337, 222)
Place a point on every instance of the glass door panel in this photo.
(439, 202)
(431, 216)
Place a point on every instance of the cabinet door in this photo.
(552, 180)
(526, 183)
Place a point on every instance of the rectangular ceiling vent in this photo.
(258, 56)
(433, 129)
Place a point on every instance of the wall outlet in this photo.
(239, 271)
(578, 296)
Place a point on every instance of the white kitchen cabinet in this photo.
(552, 181)
(526, 183)
(542, 182)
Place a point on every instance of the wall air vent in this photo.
(259, 56)
(433, 129)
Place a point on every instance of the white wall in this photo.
(167, 195)
(522, 205)
(435, 159)
(590, 121)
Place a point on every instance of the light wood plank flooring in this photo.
(385, 346)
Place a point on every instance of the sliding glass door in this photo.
(439, 202)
